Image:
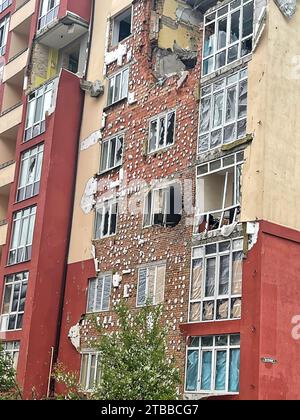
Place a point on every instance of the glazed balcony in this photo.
(62, 24)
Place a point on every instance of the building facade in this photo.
(148, 150)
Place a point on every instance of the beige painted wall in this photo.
(89, 159)
(271, 187)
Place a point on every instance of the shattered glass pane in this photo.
(208, 65)
(241, 128)
(229, 133)
(205, 115)
(235, 27)
(170, 128)
(218, 110)
(153, 135)
(210, 249)
(220, 59)
(232, 53)
(222, 33)
(246, 47)
(206, 90)
(224, 246)
(243, 94)
(162, 130)
(221, 340)
(216, 138)
(231, 104)
(232, 79)
(119, 150)
(209, 40)
(203, 143)
(219, 84)
(112, 153)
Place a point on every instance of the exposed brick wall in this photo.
(173, 245)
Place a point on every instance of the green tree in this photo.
(134, 360)
(9, 389)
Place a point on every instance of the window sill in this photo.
(157, 152)
(107, 171)
(115, 104)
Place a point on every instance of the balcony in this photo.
(65, 22)
(10, 119)
(7, 173)
(3, 233)
(15, 65)
(23, 12)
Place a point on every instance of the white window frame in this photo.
(85, 382)
(21, 218)
(11, 282)
(4, 27)
(154, 192)
(35, 124)
(4, 4)
(214, 349)
(105, 279)
(164, 117)
(11, 350)
(26, 183)
(101, 209)
(105, 166)
(148, 268)
(235, 246)
(116, 26)
(209, 93)
(123, 90)
(47, 13)
(233, 162)
(215, 17)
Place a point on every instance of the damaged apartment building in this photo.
(148, 152)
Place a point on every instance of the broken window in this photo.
(39, 103)
(118, 87)
(218, 193)
(99, 293)
(216, 281)
(13, 306)
(4, 25)
(106, 219)
(228, 34)
(90, 373)
(30, 173)
(223, 111)
(161, 131)
(11, 350)
(122, 26)
(22, 236)
(111, 153)
(151, 285)
(48, 12)
(163, 206)
(213, 364)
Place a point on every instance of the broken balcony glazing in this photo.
(223, 111)
(228, 33)
(218, 195)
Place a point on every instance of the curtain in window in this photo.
(160, 284)
(220, 371)
(206, 371)
(197, 279)
(234, 370)
(192, 370)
